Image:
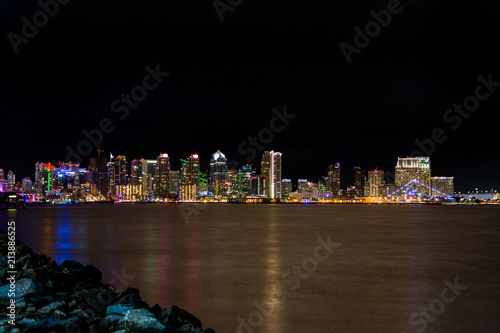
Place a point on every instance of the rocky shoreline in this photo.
(71, 298)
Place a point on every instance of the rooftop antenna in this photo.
(99, 150)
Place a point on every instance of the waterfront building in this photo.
(287, 187)
(376, 183)
(271, 171)
(245, 174)
(162, 176)
(27, 185)
(121, 170)
(217, 174)
(148, 170)
(442, 186)
(303, 185)
(410, 168)
(333, 179)
(359, 182)
(174, 182)
(98, 169)
(187, 192)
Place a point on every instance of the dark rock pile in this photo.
(71, 298)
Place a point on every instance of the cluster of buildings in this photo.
(120, 179)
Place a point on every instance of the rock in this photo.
(130, 297)
(58, 314)
(31, 310)
(23, 287)
(72, 264)
(139, 318)
(176, 317)
(21, 304)
(109, 322)
(28, 273)
(3, 261)
(27, 265)
(79, 313)
(209, 330)
(118, 309)
(51, 324)
(91, 273)
(40, 301)
(9, 329)
(25, 322)
(50, 308)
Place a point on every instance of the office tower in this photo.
(231, 186)
(303, 185)
(271, 170)
(217, 173)
(189, 173)
(376, 183)
(162, 176)
(442, 185)
(27, 185)
(121, 170)
(257, 186)
(410, 168)
(68, 175)
(11, 181)
(245, 174)
(203, 189)
(187, 192)
(174, 182)
(38, 185)
(136, 172)
(287, 187)
(148, 169)
(98, 168)
(110, 166)
(333, 179)
(359, 182)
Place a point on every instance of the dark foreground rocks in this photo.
(70, 298)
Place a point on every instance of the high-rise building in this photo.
(359, 182)
(136, 172)
(98, 168)
(376, 183)
(333, 179)
(162, 176)
(2, 180)
(27, 185)
(174, 182)
(217, 173)
(271, 170)
(303, 185)
(245, 174)
(121, 170)
(148, 170)
(410, 168)
(257, 186)
(442, 186)
(287, 187)
(189, 173)
(68, 175)
(11, 181)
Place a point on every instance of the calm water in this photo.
(222, 261)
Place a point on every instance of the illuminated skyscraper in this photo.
(174, 182)
(11, 181)
(148, 170)
(121, 170)
(162, 176)
(27, 185)
(442, 185)
(136, 172)
(217, 173)
(333, 179)
(99, 176)
(271, 170)
(287, 187)
(189, 173)
(359, 182)
(376, 183)
(410, 168)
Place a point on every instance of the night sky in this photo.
(226, 77)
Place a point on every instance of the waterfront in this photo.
(222, 259)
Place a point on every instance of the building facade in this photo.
(410, 168)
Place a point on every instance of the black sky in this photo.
(226, 78)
